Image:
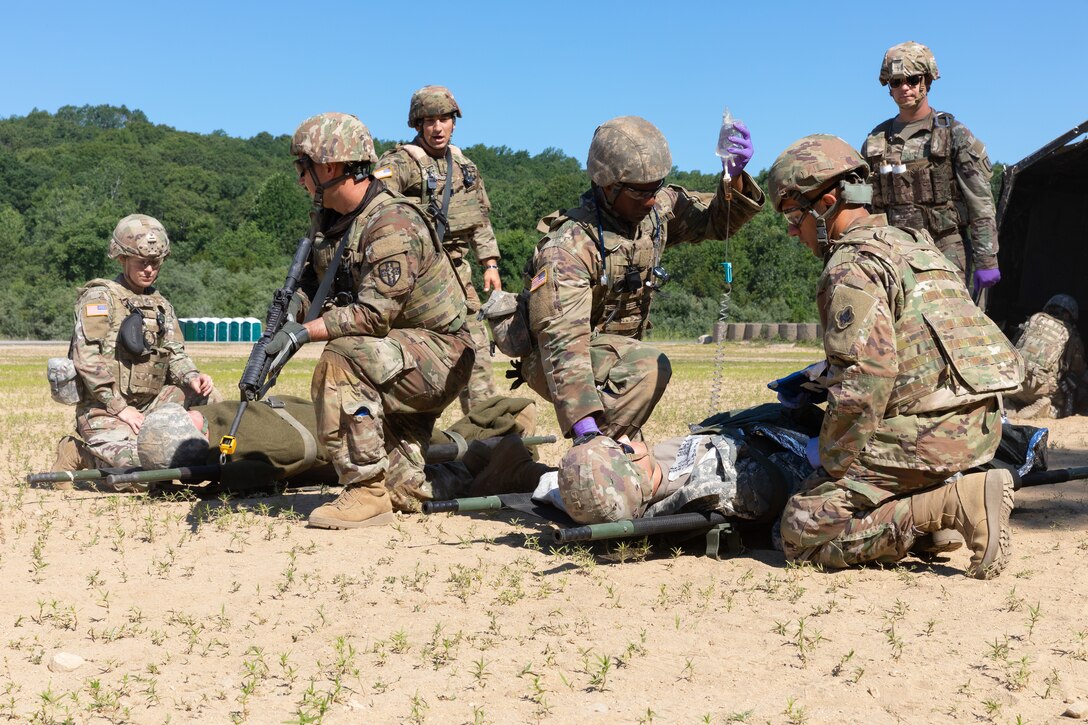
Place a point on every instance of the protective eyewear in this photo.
(301, 164)
(142, 263)
(911, 81)
(642, 194)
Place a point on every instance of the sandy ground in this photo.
(208, 611)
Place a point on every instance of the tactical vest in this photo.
(137, 375)
(950, 354)
(430, 306)
(921, 194)
(617, 308)
(465, 213)
(1042, 344)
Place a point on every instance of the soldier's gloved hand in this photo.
(741, 150)
(291, 336)
(296, 307)
(812, 452)
(987, 278)
(584, 430)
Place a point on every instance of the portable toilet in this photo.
(222, 333)
(251, 329)
(188, 329)
(235, 327)
(207, 327)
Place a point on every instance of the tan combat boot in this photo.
(939, 542)
(1041, 408)
(511, 469)
(70, 457)
(978, 506)
(357, 506)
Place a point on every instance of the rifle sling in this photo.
(441, 219)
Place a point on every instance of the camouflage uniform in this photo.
(587, 357)
(1054, 360)
(915, 369)
(932, 173)
(408, 170)
(399, 352)
(112, 378)
(944, 186)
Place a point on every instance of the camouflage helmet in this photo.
(168, 439)
(1064, 302)
(431, 101)
(333, 137)
(628, 149)
(599, 482)
(139, 235)
(908, 59)
(809, 164)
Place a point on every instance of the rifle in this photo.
(260, 372)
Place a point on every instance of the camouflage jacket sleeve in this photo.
(483, 236)
(696, 216)
(98, 319)
(560, 305)
(386, 262)
(182, 367)
(400, 174)
(972, 168)
(859, 340)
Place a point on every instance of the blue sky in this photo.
(537, 75)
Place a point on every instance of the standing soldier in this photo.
(928, 170)
(434, 173)
(1054, 357)
(128, 349)
(915, 371)
(399, 351)
(593, 275)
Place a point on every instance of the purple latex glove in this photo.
(986, 278)
(741, 150)
(812, 452)
(584, 426)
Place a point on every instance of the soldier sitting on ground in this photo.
(127, 350)
(1053, 355)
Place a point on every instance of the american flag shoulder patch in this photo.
(99, 309)
(540, 278)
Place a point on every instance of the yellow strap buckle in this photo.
(227, 445)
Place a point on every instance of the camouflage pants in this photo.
(481, 382)
(631, 377)
(377, 400)
(955, 248)
(853, 520)
(109, 438)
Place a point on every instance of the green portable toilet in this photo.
(235, 326)
(251, 329)
(222, 334)
(188, 329)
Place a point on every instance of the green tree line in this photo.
(234, 213)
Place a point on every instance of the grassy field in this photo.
(185, 610)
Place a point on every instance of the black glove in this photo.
(291, 336)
